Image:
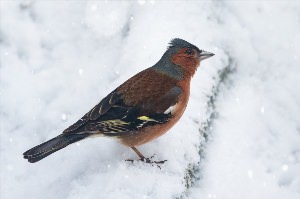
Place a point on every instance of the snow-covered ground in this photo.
(239, 137)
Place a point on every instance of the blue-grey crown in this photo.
(180, 43)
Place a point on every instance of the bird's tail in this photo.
(43, 150)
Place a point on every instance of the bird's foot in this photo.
(150, 161)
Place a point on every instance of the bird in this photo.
(141, 109)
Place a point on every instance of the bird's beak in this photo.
(204, 55)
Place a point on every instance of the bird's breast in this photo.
(150, 133)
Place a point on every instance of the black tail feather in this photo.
(43, 150)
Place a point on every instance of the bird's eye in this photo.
(189, 51)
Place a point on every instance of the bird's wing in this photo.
(113, 117)
(111, 100)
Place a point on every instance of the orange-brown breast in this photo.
(149, 133)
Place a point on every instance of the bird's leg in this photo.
(138, 153)
(144, 159)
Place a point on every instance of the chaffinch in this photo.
(141, 109)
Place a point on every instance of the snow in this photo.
(240, 134)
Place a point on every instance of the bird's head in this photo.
(181, 59)
(186, 55)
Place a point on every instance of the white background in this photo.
(58, 59)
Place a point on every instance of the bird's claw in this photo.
(150, 161)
